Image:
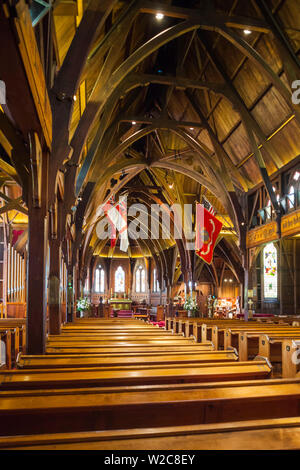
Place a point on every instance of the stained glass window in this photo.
(270, 271)
(99, 280)
(120, 280)
(140, 280)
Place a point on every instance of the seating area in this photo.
(278, 342)
(124, 384)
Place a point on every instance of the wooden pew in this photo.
(5, 336)
(16, 323)
(108, 328)
(231, 335)
(11, 337)
(270, 434)
(272, 347)
(290, 357)
(12, 342)
(136, 349)
(133, 375)
(95, 409)
(66, 361)
(119, 343)
(249, 343)
(112, 334)
(216, 332)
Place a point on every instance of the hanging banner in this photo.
(208, 228)
(117, 216)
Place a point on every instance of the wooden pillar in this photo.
(54, 288)
(36, 281)
(37, 250)
(246, 279)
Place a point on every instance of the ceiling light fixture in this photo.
(133, 123)
(159, 16)
(247, 31)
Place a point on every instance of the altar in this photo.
(120, 303)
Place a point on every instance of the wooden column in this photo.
(37, 250)
(54, 288)
(245, 284)
(36, 281)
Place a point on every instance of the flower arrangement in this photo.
(83, 304)
(190, 305)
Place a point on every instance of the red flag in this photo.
(208, 228)
(15, 236)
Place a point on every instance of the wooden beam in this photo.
(34, 70)
(18, 153)
(67, 83)
(12, 204)
(9, 170)
(256, 58)
(65, 8)
(207, 20)
(130, 82)
(162, 123)
(96, 106)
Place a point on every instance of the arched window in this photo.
(293, 190)
(269, 209)
(86, 285)
(120, 280)
(270, 272)
(291, 198)
(155, 281)
(99, 280)
(296, 175)
(140, 280)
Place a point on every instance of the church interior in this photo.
(150, 225)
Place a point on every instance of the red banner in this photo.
(15, 236)
(208, 228)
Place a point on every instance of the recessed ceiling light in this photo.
(74, 97)
(191, 128)
(159, 16)
(247, 31)
(133, 123)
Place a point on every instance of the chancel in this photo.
(150, 226)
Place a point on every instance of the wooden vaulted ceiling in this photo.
(208, 102)
(212, 119)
